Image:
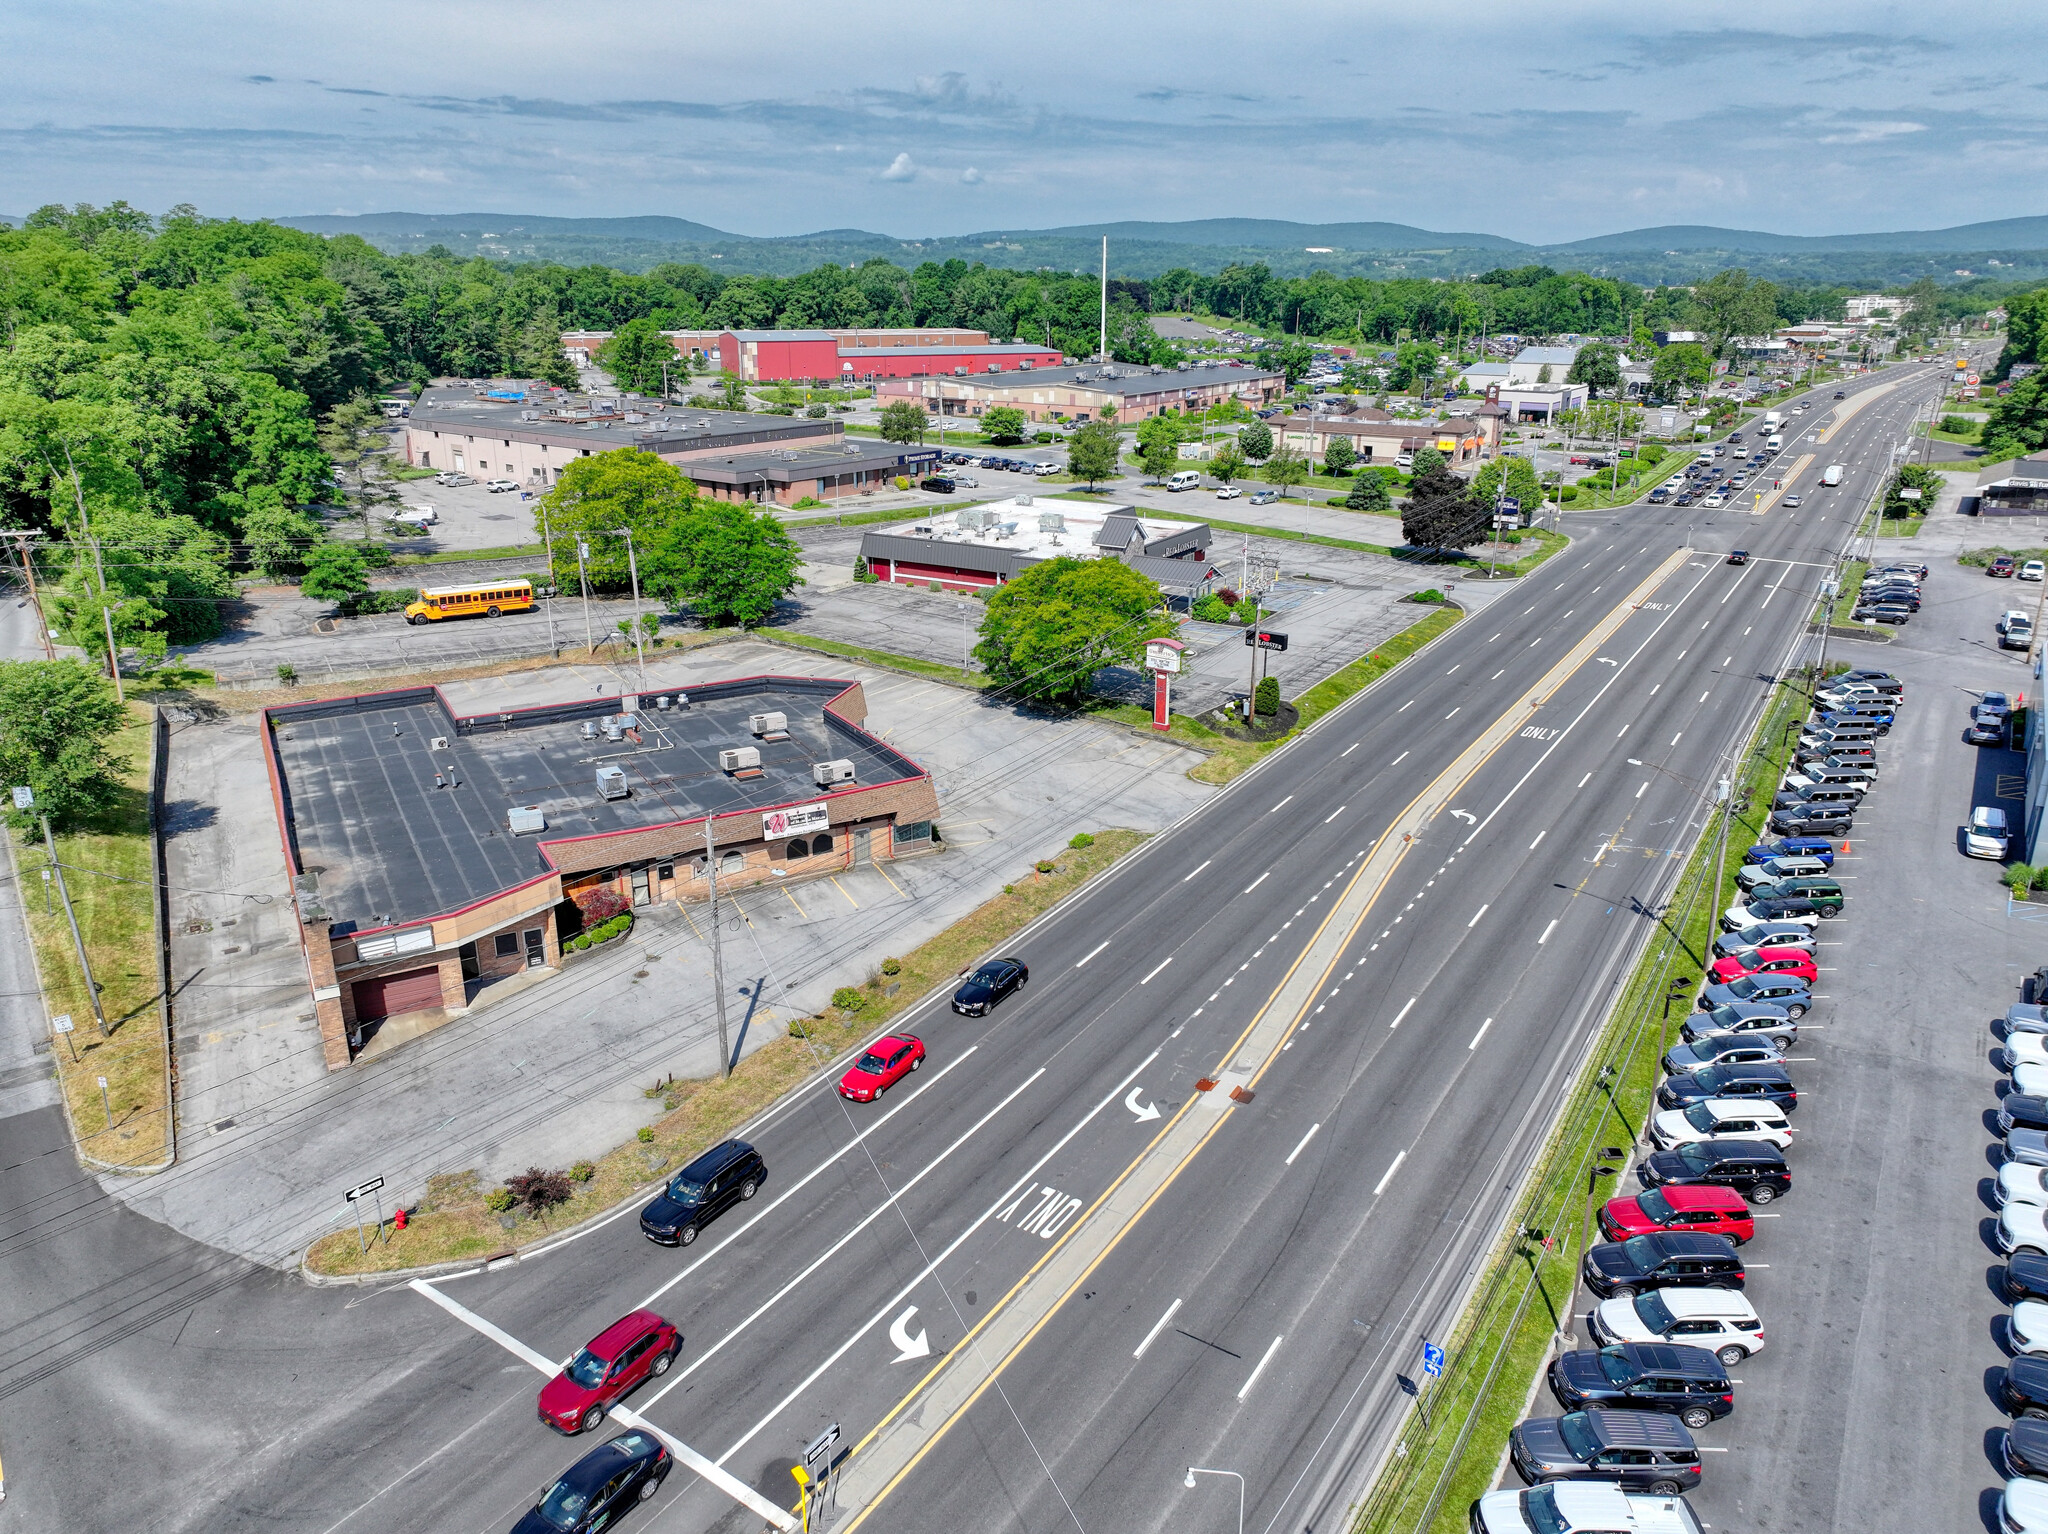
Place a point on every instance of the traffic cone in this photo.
(1845, 849)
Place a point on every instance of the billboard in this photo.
(803, 817)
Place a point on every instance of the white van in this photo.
(1185, 479)
(1832, 475)
(1773, 442)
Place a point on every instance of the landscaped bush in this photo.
(364, 603)
(1212, 609)
(1266, 697)
(1043, 865)
(1428, 598)
(539, 1191)
(1566, 493)
(847, 999)
(1081, 839)
(892, 966)
(599, 904)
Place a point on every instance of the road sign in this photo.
(1432, 1359)
(61, 1023)
(1408, 1386)
(821, 1445)
(1265, 639)
(1508, 503)
(364, 1190)
(24, 798)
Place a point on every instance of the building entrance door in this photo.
(861, 858)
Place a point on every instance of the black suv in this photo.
(724, 1175)
(1654, 1376)
(2024, 1391)
(1638, 1451)
(1771, 1082)
(1752, 1168)
(2026, 1277)
(1663, 1259)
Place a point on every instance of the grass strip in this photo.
(464, 556)
(1293, 537)
(106, 865)
(1228, 758)
(863, 518)
(1508, 1330)
(1852, 581)
(884, 659)
(452, 1222)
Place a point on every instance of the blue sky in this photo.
(1542, 122)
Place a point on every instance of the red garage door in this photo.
(390, 994)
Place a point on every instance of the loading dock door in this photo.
(391, 994)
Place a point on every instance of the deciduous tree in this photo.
(1091, 453)
(1442, 512)
(1003, 423)
(1058, 623)
(903, 421)
(1256, 441)
(58, 720)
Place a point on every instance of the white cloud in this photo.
(971, 176)
(902, 168)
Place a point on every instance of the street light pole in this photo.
(92, 990)
(633, 570)
(1195, 1470)
(717, 952)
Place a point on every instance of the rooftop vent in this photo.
(440, 743)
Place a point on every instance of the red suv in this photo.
(2002, 565)
(1794, 962)
(628, 1351)
(1687, 1206)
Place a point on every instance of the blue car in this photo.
(1792, 847)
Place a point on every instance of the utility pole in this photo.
(583, 583)
(28, 574)
(633, 569)
(92, 990)
(106, 612)
(717, 953)
(1103, 355)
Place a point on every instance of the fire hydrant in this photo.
(398, 1220)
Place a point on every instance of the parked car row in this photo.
(1669, 1317)
(1889, 594)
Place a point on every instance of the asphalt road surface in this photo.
(1047, 1274)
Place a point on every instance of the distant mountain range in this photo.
(2013, 248)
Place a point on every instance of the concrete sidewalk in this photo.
(270, 1139)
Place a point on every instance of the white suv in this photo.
(1721, 1118)
(498, 485)
(1723, 1323)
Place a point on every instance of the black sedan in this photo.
(989, 985)
(592, 1493)
(1738, 556)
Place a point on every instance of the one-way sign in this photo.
(364, 1190)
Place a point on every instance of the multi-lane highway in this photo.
(1047, 1274)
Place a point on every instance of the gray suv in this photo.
(1637, 1450)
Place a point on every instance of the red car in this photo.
(887, 1061)
(1795, 962)
(1717, 1211)
(630, 1350)
(2002, 565)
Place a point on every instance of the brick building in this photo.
(1085, 392)
(837, 356)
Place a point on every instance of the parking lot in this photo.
(1873, 1404)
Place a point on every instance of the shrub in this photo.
(903, 482)
(1043, 865)
(1266, 699)
(289, 675)
(499, 1200)
(1211, 609)
(1565, 493)
(2018, 878)
(816, 413)
(1428, 598)
(847, 999)
(1959, 426)
(539, 1191)
(599, 904)
(1081, 839)
(364, 603)
(578, 944)
(583, 1171)
(892, 966)
(646, 1134)
(805, 503)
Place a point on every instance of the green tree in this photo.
(1681, 368)
(1256, 441)
(1368, 492)
(334, 573)
(1058, 623)
(58, 720)
(2018, 423)
(1159, 439)
(1228, 464)
(1092, 453)
(1912, 476)
(1441, 512)
(1731, 303)
(1598, 367)
(1339, 456)
(1285, 469)
(1415, 364)
(2026, 331)
(1294, 358)
(903, 421)
(1003, 423)
(728, 561)
(599, 496)
(732, 392)
(1520, 475)
(1425, 460)
(636, 355)
(353, 439)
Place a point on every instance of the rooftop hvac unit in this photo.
(525, 819)
(1023, 500)
(440, 743)
(1052, 522)
(825, 774)
(973, 517)
(589, 730)
(768, 724)
(738, 758)
(611, 782)
(615, 727)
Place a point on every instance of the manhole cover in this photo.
(221, 1126)
(194, 927)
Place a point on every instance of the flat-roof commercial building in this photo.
(1083, 392)
(1463, 440)
(839, 356)
(431, 852)
(988, 545)
(463, 429)
(824, 471)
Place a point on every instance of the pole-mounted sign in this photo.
(1163, 660)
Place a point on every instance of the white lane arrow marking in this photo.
(1144, 1111)
(1467, 816)
(1606, 662)
(907, 1346)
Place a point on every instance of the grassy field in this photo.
(1228, 757)
(453, 1222)
(1525, 1293)
(107, 869)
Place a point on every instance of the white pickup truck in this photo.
(1569, 1507)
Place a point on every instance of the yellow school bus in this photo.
(437, 602)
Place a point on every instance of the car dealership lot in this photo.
(1875, 1275)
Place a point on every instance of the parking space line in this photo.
(899, 889)
(743, 910)
(786, 895)
(842, 890)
